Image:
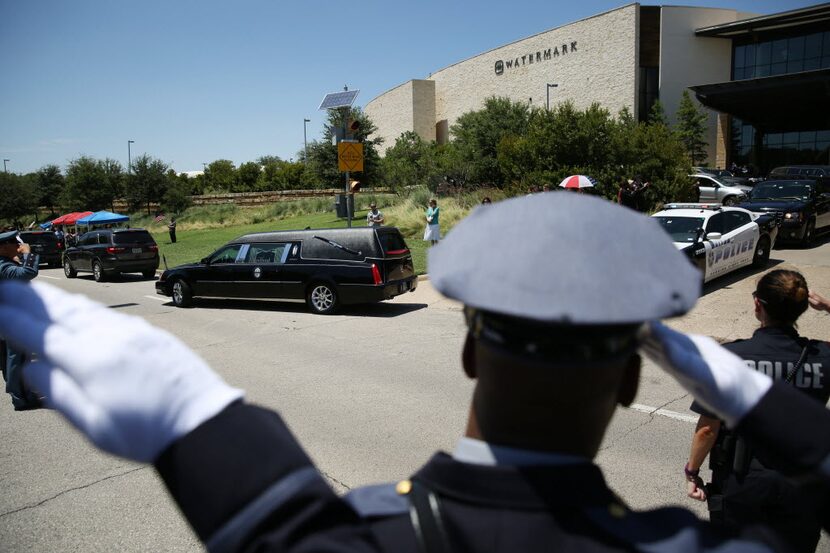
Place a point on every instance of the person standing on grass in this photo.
(433, 230)
(171, 228)
(375, 217)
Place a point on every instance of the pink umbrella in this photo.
(577, 181)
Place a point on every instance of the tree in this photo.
(19, 199)
(85, 186)
(322, 155)
(477, 134)
(411, 162)
(220, 176)
(177, 196)
(247, 177)
(657, 114)
(567, 141)
(113, 183)
(267, 160)
(50, 184)
(147, 184)
(691, 126)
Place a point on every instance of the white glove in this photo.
(716, 377)
(131, 388)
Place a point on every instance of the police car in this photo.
(719, 239)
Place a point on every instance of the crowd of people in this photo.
(522, 477)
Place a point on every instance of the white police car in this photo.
(719, 239)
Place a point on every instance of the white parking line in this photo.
(157, 298)
(47, 276)
(663, 413)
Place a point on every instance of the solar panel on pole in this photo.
(336, 100)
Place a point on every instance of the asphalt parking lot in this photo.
(371, 393)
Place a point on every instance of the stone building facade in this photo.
(624, 58)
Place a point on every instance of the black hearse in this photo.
(325, 268)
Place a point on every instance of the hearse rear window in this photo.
(323, 247)
(392, 242)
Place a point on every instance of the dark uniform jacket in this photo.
(26, 270)
(747, 485)
(244, 483)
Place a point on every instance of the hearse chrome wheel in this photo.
(322, 299)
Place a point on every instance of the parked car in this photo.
(801, 172)
(804, 206)
(108, 252)
(45, 244)
(326, 268)
(714, 191)
(719, 240)
(726, 177)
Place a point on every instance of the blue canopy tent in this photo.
(103, 218)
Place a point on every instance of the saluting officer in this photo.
(17, 263)
(744, 488)
(548, 335)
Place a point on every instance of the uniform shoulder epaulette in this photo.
(31, 260)
(380, 500)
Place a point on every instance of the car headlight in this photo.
(796, 215)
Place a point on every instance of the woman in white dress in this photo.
(433, 230)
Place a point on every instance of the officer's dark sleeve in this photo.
(790, 431)
(27, 270)
(243, 482)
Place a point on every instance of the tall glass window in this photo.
(781, 56)
(780, 148)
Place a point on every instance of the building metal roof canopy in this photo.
(793, 18)
(336, 100)
(793, 102)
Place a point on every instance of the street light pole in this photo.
(305, 140)
(547, 92)
(4, 165)
(129, 158)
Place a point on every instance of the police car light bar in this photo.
(713, 207)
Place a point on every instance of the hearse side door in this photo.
(216, 278)
(260, 273)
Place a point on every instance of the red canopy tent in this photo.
(70, 218)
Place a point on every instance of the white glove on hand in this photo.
(716, 377)
(131, 388)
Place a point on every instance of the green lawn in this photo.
(193, 245)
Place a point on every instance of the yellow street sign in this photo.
(350, 156)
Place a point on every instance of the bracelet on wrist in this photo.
(691, 475)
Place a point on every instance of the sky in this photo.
(193, 81)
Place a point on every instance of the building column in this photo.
(722, 141)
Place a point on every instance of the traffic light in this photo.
(351, 128)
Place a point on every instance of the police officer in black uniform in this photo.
(746, 489)
(17, 263)
(548, 336)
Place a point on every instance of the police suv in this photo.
(719, 239)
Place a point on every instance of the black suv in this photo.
(801, 172)
(325, 268)
(804, 206)
(46, 245)
(112, 251)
